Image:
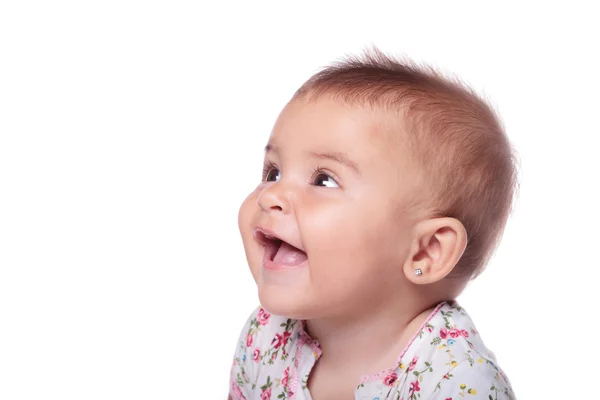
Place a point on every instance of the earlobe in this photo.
(437, 246)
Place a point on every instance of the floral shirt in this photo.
(446, 359)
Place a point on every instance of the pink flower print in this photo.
(454, 333)
(274, 356)
(390, 379)
(266, 394)
(448, 398)
(249, 340)
(281, 339)
(237, 392)
(414, 387)
(256, 354)
(413, 363)
(443, 333)
(263, 316)
(464, 333)
(286, 376)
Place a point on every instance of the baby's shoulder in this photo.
(261, 325)
(263, 353)
(265, 335)
(453, 358)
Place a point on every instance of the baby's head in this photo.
(383, 182)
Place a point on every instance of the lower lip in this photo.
(268, 264)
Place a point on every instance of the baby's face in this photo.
(325, 231)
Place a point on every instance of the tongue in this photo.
(289, 255)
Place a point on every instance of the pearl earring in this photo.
(418, 272)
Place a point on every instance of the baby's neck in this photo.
(367, 344)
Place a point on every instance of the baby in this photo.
(386, 188)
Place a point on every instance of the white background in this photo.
(130, 132)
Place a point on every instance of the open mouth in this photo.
(279, 252)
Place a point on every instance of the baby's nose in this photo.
(274, 199)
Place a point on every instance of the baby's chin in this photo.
(290, 302)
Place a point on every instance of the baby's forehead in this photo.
(335, 125)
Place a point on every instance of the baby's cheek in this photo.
(248, 211)
(246, 215)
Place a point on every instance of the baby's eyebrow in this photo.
(338, 157)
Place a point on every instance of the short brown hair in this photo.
(467, 162)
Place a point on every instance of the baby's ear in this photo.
(437, 245)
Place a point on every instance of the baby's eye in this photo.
(272, 175)
(325, 180)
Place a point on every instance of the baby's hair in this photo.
(456, 141)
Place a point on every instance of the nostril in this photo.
(276, 208)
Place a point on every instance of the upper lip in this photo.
(271, 235)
